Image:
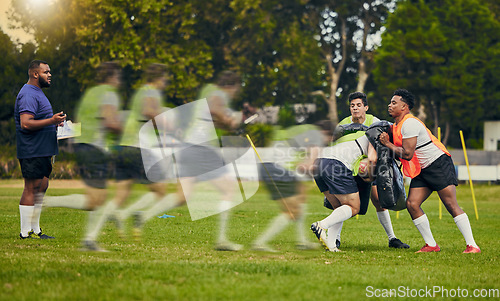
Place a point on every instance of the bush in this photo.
(64, 167)
(286, 116)
(261, 134)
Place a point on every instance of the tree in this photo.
(271, 44)
(13, 75)
(447, 55)
(346, 36)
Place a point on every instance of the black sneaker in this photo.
(397, 244)
(138, 223)
(41, 235)
(320, 233)
(31, 235)
(91, 246)
(337, 243)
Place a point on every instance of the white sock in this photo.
(333, 234)
(74, 201)
(224, 207)
(166, 203)
(144, 201)
(35, 221)
(463, 224)
(340, 231)
(338, 215)
(26, 213)
(385, 220)
(299, 224)
(423, 226)
(102, 215)
(277, 225)
(91, 221)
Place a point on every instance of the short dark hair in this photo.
(106, 70)
(35, 64)
(357, 95)
(228, 78)
(406, 96)
(154, 71)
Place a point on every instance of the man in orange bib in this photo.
(429, 165)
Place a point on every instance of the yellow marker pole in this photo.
(439, 200)
(468, 171)
(272, 180)
(397, 214)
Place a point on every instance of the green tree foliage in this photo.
(13, 75)
(271, 44)
(347, 34)
(140, 32)
(446, 53)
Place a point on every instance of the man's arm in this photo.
(406, 151)
(218, 110)
(29, 123)
(372, 162)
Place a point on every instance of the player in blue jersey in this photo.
(36, 138)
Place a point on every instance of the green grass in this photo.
(176, 260)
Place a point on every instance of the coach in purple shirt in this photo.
(36, 137)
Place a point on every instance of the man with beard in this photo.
(429, 165)
(36, 138)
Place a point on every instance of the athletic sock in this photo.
(91, 221)
(340, 231)
(224, 207)
(26, 213)
(277, 225)
(299, 224)
(73, 201)
(385, 220)
(423, 226)
(144, 201)
(338, 215)
(168, 202)
(333, 234)
(463, 224)
(102, 215)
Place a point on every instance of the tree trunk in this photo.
(446, 133)
(362, 67)
(332, 100)
(435, 117)
(336, 73)
(421, 111)
(363, 75)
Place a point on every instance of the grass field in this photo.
(176, 260)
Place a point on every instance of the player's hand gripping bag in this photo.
(390, 183)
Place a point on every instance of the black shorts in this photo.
(440, 174)
(285, 180)
(36, 168)
(94, 164)
(364, 196)
(204, 163)
(129, 166)
(333, 176)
